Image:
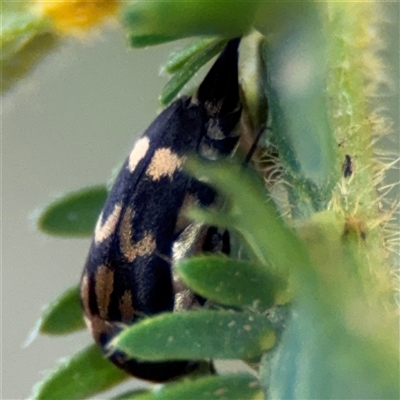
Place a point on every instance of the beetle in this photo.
(127, 274)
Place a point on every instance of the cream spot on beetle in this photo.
(125, 306)
(105, 229)
(104, 286)
(164, 163)
(143, 247)
(138, 152)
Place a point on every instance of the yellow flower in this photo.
(76, 16)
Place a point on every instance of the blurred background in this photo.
(64, 127)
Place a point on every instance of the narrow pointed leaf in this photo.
(63, 315)
(197, 335)
(228, 387)
(80, 376)
(150, 39)
(75, 214)
(176, 83)
(232, 282)
(177, 60)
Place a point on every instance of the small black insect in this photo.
(127, 274)
(347, 166)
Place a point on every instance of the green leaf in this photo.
(197, 335)
(298, 100)
(63, 315)
(75, 214)
(228, 387)
(178, 59)
(82, 375)
(232, 282)
(176, 83)
(150, 40)
(148, 22)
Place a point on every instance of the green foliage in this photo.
(331, 350)
(232, 282)
(335, 328)
(75, 214)
(306, 239)
(179, 58)
(63, 315)
(149, 23)
(71, 378)
(197, 335)
(302, 130)
(228, 387)
(186, 64)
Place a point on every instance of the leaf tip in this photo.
(32, 335)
